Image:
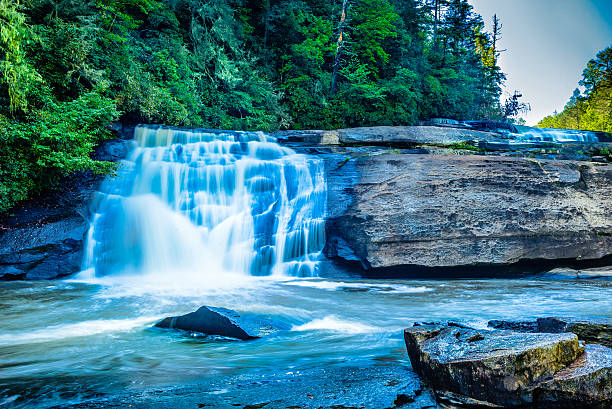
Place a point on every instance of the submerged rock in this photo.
(595, 331)
(221, 321)
(510, 369)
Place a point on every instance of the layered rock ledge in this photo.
(408, 212)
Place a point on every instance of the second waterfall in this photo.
(209, 203)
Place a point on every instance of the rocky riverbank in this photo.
(402, 201)
(502, 368)
(43, 238)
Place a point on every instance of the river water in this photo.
(233, 221)
(67, 341)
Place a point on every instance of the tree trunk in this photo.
(436, 17)
(338, 48)
(267, 24)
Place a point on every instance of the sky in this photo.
(549, 43)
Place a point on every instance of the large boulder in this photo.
(511, 369)
(221, 321)
(410, 212)
(592, 331)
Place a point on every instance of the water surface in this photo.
(67, 341)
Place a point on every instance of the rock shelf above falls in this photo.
(400, 201)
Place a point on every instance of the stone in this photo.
(43, 252)
(395, 136)
(501, 367)
(587, 383)
(399, 136)
(223, 322)
(596, 273)
(421, 214)
(591, 331)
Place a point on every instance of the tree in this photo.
(19, 78)
(514, 106)
(339, 42)
(591, 109)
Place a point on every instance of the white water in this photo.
(189, 208)
(530, 134)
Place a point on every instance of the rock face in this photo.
(43, 239)
(220, 321)
(590, 331)
(396, 136)
(511, 369)
(403, 212)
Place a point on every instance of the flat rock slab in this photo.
(221, 321)
(500, 367)
(593, 331)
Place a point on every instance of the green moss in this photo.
(464, 146)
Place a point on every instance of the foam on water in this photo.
(190, 208)
(334, 324)
(78, 329)
(340, 285)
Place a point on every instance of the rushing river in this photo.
(67, 341)
(233, 221)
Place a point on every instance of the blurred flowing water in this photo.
(198, 205)
(236, 221)
(531, 134)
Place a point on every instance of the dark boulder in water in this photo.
(511, 369)
(223, 322)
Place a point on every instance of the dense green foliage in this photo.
(70, 67)
(590, 110)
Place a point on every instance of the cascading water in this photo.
(530, 134)
(196, 202)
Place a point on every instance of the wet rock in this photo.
(223, 322)
(407, 214)
(587, 383)
(594, 331)
(503, 368)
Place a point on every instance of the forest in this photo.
(71, 67)
(591, 109)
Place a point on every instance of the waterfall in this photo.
(531, 134)
(208, 203)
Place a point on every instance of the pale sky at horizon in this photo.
(549, 43)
